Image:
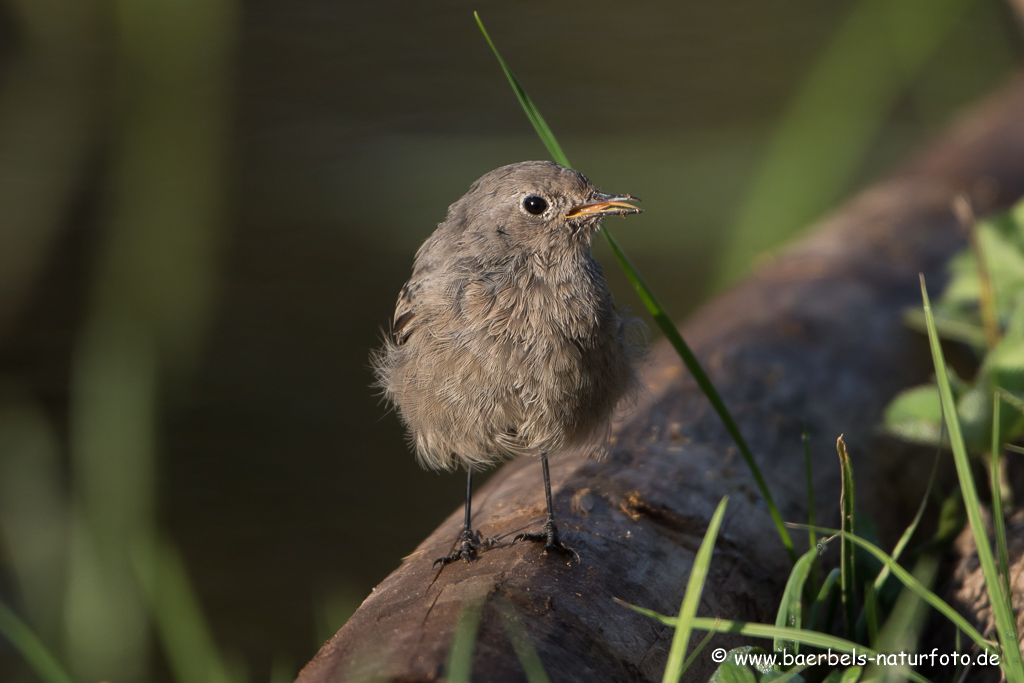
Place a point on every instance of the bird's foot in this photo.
(549, 536)
(470, 546)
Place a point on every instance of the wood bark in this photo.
(815, 338)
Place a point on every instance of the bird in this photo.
(506, 341)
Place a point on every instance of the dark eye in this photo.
(535, 205)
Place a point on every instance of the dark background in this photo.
(207, 209)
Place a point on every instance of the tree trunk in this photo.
(815, 338)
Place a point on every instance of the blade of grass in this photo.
(791, 609)
(871, 613)
(819, 602)
(525, 651)
(532, 113)
(816, 639)
(460, 657)
(691, 598)
(908, 533)
(651, 303)
(181, 628)
(847, 576)
(31, 648)
(998, 522)
(697, 650)
(805, 437)
(908, 580)
(901, 632)
(1001, 608)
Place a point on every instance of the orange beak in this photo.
(604, 205)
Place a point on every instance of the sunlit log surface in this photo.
(813, 338)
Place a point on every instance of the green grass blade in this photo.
(847, 575)
(524, 649)
(901, 632)
(998, 521)
(820, 603)
(697, 650)
(31, 648)
(908, 533)
(816, 639)
(460, 657)
(871, 613)
(791, 609)
(756, 630)
(691, 599)
(908, 580)
(1005, 623)
(805, 438)
(181, 628)
(704, 382)
(651, 303)
(546, 136)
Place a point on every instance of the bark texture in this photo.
(815, 338)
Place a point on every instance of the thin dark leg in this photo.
(469, 498)
(550, 532)
(547, 487)
(470, 540)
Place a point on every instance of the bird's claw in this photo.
(472, 544)
(549, 536)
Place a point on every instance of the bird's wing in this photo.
(435, 262)
(403, 325)
(424, 271)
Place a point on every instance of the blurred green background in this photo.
(207, 208)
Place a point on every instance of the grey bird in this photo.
(505, 340)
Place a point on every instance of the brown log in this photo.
(815, 338)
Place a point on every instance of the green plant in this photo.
(982, 307)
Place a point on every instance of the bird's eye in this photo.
(535, 205)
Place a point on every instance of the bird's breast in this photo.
(530, 305)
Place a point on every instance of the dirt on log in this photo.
(814, 338)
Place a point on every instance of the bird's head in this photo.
(536, 206)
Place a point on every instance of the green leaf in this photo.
(952, 518)
(851, 675)
(750, 663)
(915, 415)
(1005, 364)
(974, 412)
(731, 672)
(953, 325)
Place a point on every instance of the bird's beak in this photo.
(604, 205)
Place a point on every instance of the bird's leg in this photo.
(550, 532)
(470, 541)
